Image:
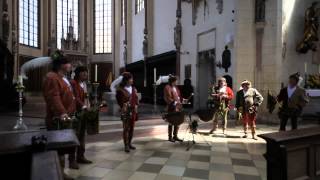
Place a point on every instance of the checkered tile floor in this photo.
(212, 157)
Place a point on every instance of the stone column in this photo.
(145, 41)
(125, 41)
(15, 37)
(177, 36)
(260, 25)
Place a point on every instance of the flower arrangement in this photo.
(313, 81)
(57, 54)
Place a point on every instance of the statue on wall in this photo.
(260, 10)
(5, 23)
(226, 59)
(219, 6)
(311, 26)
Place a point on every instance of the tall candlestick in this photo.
(20, 80)
(96, 73)
(305, 67)
(154, 74)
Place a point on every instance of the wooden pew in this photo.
(16, 153)
(293, 155)
(46, 166)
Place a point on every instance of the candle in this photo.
(96, 73)
(154, 74)
(305, 67)
(20, 80)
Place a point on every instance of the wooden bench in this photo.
(17, 156)
(293, 155)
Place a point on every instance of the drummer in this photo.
(222, 95)
(173, 100)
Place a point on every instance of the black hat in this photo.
(172, 78)
(126, 75)
(295, 76)
(80, 69)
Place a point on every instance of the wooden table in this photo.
(16, 152)
(293, 155)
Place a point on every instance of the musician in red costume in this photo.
(222, 95)
(173, 99)
(128, 101)
(60, 103)
(79, 86)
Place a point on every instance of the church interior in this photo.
(160, 89)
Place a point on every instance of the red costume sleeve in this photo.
(77, 93)
(230, 93)
(135, 98)
(52, 96)
(168, 95)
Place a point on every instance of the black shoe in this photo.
(127, 149)
(132, 147)
(245, 136)
(171, 139)
(177, 139)
(84, 160)
(73, 165)
(66, 177)
(254, 137)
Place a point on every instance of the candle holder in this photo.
(95, 93)
(306, 85)
(155, 97)
(20, 125)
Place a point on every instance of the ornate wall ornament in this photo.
(226, 59)
(219, 6)
(195, 5)
(311, 28)
(260, 10)
(145, 46)
(14, 40)
(70, 42)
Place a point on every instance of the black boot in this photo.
(72, 161)
(175, 134)
(67, 177)
(83, 160)
(130, 139)
(126, 140)
(170, 133)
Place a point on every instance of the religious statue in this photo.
(226, 59)
(5, 23)
(260, 9)
(177, 34)
(311, 25)
(219, 6)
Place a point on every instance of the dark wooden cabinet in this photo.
(293, 155)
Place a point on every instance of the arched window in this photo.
(29, 22)
(103, 26)
(67, 15)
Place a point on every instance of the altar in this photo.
(312, 108)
